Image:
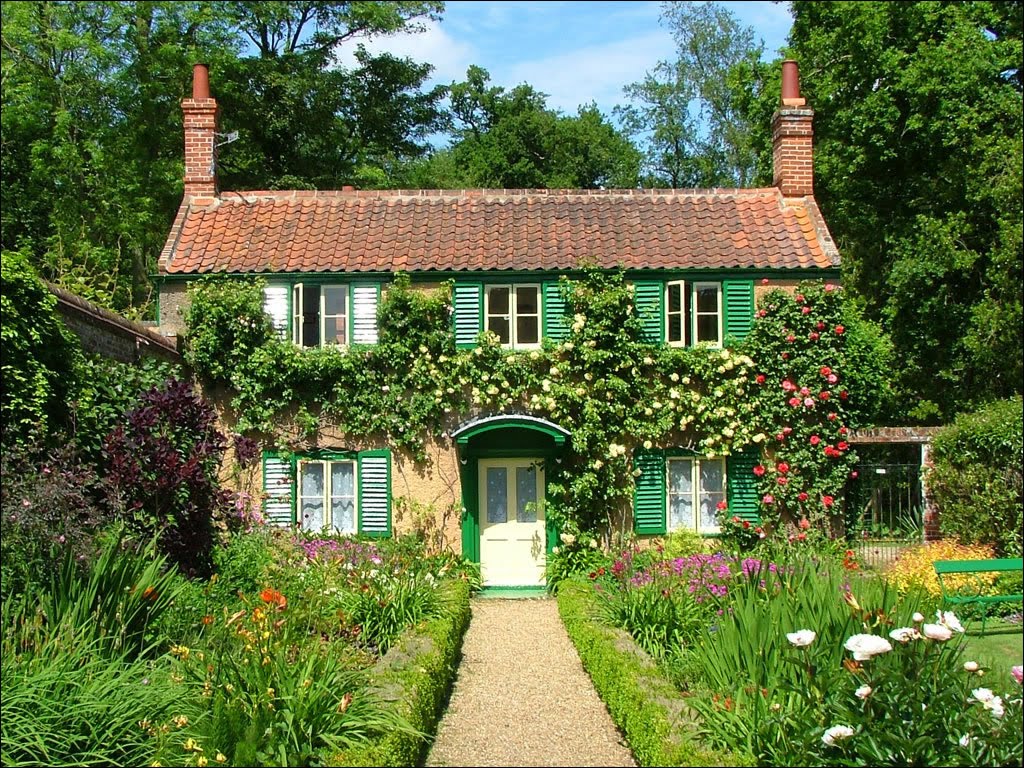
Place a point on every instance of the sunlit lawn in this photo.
(1001, 647)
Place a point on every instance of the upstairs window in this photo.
(693, 313)
(320, 315)
(513, 313)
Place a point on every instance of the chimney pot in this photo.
(790, 80)
(200, 82)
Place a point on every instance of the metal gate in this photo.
(883, 511)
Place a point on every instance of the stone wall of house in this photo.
(173, 306)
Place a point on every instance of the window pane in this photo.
(680, 494)
(311, 316)
(497, 495)
(312, 512)
(707, 328)
(712, 491)
(526, 494)
(675, 298)
(527, 300)
(527, 330)
(343, 478)
(334, 299)
(500, 326)
(343, 515)
(334, 330)
(707, 298)
(497, 300)
(311, 496)
(675, 327)
(312, 481)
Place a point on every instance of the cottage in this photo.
(697, 259)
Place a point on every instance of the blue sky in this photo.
(576, 51)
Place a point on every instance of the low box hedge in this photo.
(643, 703)
(416, 676)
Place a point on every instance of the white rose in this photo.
(864, 647)
(949, 619)
(970, 666)
(863, 692)
(904, 634)
(939, 632)
(836, 733)
(918, 617)
(801, 638)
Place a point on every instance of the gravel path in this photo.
(521, 697)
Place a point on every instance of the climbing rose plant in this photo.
(821, 372)
(614, 391)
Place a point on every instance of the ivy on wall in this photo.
(613, 391)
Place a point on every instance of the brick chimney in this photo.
(792, 132)
(200, 137)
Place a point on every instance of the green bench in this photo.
(972, 590)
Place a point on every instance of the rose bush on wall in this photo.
(610, 388)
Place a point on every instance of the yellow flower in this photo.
(180, 721)
(191, 745)
(220, 758)
(201, 761)
(181, 651)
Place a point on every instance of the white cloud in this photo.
(450, 57)
(594, 73)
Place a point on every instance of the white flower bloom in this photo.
(864, 647)
(863, 692)
(918, 617)
(939, 632)
(801, 638)
(984, 695)
(648, 445)
(598, 464)
(555, 550)
(965, 740)
(836, 733)
(990, 701)
(970, 666)
(949, 619)
(567, 538)
(905, 634)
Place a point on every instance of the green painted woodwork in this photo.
(278, 488)
(649, 494)
(650, 304)
(375, 493)
(971, 592)
(516, 422)
(470, 477)
(556, 321)
(738, 306)
(742, 486)
(467, 315)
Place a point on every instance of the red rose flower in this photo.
(787, 430)
(829, 287)
(782, 480)
(815, 439)
(814, 336)
(825, 370)
(768, 499)
(805, 391)
(828, 501)
(759, 470)
(840, 330)
(833, 416)
(802, 496)
(794, 401)
(804, 524)
(746, 524)
(788, 385)
(842, 445)
(784, 355)
(791, 338)
(843, 430)
(855, 474)
(806, 310)
(760, 378)
(801, 536)
(764, 281)
(800, 298)
(820, 326)
(808, 402)
(783, 467)
(843, 395)
(762, 313)
(824, 395)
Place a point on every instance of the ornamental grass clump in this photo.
(900, 697)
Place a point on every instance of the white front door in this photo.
(512, 546)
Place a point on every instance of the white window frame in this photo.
(695, 313)
(298, 304)
(684, 321)
(328, 494)
(513, 313)
(696, 492)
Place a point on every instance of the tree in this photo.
(690, 111)
(918, 133)
(511, 139)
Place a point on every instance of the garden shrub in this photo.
(39, 373)
(576, 553)
(50, 509)
(415, 677)
(976, 480)
(163, 466)
(658, 723)
(915, 566)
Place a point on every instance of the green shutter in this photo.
(556, 325)
(375, 493)
(467, 300)
(738, 297)
(650, 298)
(365, 298)
(278, 484)
(742, 490)
(649, 496)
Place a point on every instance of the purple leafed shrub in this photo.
(162, 467)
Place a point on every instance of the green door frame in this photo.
(502, 437)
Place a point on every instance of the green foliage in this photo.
(39, 373)
(416, 677)
(976, 477)
(821, 372)
(163, 469)
(658, 723)
(51, 512)
(577, 554)
(930, 240)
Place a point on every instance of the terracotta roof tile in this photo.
(481, 230)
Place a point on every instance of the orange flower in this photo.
(273, 597)
(344, 703)
(207, 620)
(149, 593)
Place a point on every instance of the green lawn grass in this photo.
(1001, 647)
